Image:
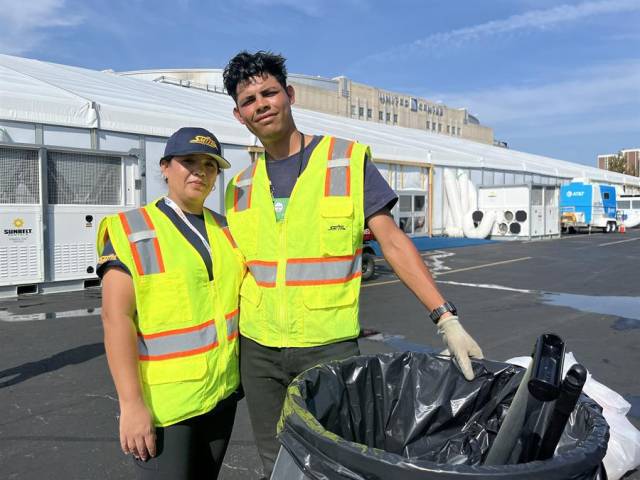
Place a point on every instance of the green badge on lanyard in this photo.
(280, 206)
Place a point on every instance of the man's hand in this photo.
(459, 343)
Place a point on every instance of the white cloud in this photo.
(311, 8)
(528, 21)
(588, 91)
(27, 23)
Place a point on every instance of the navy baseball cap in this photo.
(194, 140)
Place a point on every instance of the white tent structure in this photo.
(77, 144)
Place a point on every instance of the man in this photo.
(298, 215)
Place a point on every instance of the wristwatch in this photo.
(436, 313)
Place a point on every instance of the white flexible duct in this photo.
(453, 200)
(486, 224)
(463, 187)
(473, 195)
(481, 231)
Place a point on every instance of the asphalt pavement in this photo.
(59, 405)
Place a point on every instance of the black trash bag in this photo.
(414, 416)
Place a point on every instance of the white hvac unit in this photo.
(82, 188)
(21, 240)
(522, 211)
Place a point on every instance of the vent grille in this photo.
(19, 182)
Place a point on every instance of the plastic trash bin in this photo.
(414, 416)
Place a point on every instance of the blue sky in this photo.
(556, 78)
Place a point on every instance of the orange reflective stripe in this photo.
(338, 174)
(156, 244)
(177, 331)
(179, 342)
(186, 353)
(265, 273)
(327, 178)
(323, 270)
(243, 188)
(134, 249)
(232, 324)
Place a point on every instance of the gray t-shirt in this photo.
(283, 174)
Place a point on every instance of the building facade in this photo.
(631, 160)
(342, 96)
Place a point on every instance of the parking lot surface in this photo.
(59, 405)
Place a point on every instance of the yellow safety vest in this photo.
(187, 326)
(304, 272)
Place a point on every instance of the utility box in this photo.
(523, 212)
(21, 227)
(51, 202)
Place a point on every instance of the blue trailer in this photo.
(585, 205)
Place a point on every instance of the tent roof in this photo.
(42, 92)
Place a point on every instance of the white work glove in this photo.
(459, 344)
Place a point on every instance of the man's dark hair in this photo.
(246, 65)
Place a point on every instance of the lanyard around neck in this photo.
(171, 204)
(300, 159)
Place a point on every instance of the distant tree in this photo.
(618, 164)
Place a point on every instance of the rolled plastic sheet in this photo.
(414, 416)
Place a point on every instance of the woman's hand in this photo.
(137, 433)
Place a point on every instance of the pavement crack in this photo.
(95, 395)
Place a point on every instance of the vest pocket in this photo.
(175, 370)
(330, 313)
(163, 302)
(336, 226)
(328, 296)
(250, 323)
(250, 291)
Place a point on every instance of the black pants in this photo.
(266, 372)
(191, 449)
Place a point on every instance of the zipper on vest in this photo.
(281, 284)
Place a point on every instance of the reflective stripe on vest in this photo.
(324, 270)
(222, 223)
(243, 188)
(338, 176)
(232, 324)
(178, 343)
(142, 238)
(265, 273)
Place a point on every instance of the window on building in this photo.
(388, 117)
(448, 129)
(433, 126)
(439, 127)
(420, 106)
(353, 109)
(380, 115)
(360, 111)
(369, 113)
(458, 131)
(395, 118)
(428, 124)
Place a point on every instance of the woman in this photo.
(171, 276)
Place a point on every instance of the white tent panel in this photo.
(34, 91)
(12, 132)
(117, 142)
(38, 92)
(66, 137)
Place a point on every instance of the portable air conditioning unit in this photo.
(21, 228)
(522, 211)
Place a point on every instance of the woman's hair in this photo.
(245, 66)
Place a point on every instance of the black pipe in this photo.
(518, 439)
(566, 402)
